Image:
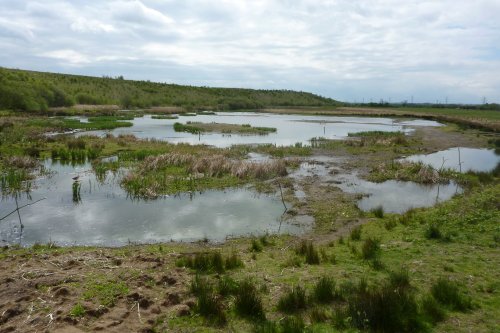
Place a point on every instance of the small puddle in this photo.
(460, 159)
(79, 210)
(396, 196)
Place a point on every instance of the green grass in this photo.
(248, 303)
(105, 292)
(293, 301)
(77, 311)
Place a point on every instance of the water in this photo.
(103, 215)
(291, 129)
(396, 196)
(472, 159)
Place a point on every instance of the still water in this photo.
(460, 158)
(102, 214)
(291, 129)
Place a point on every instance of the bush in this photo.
(324, 290)
(293, 301)
(248, 303)
(447, 293)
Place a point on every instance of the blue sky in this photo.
(349, 50)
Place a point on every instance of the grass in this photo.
(245, 129)
(105, 292)
(308, 250)
(203, 262)
(448, 293)
(248, 302)
(77, 311)
(324, 290)
(355, 234)
(293, 301)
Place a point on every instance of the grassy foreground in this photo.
(428, 270)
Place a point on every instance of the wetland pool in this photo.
(291, 129)
(103, 214)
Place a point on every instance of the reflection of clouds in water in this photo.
(396, 196)
(471, 159)
(290, 128)
(107, 217)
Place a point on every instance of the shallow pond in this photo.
(460, 159)
(291, 129)
(396, 196)
(102, 214)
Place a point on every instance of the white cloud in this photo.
(344, 49)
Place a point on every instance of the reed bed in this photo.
(178, 172)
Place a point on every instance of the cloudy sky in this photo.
(351, 50)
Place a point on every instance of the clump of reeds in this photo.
(248, 302)
(208, 262)
(306, 248)
(293, 301)
(447, 293)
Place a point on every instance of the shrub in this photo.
(248, 303)
(324, 290)
(447, 293)
(293, 301)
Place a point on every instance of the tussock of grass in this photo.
(447, 293)
(293, 301)
(203, 262)
(306, 248)
(248, 302)
(371, 249)
(324, 290)
(355, 234)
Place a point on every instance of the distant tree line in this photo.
(38, 91)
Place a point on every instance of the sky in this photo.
(349, 50)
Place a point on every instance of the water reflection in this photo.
(81, 210)
(290, 128)
(396, 196)
(460, 159)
